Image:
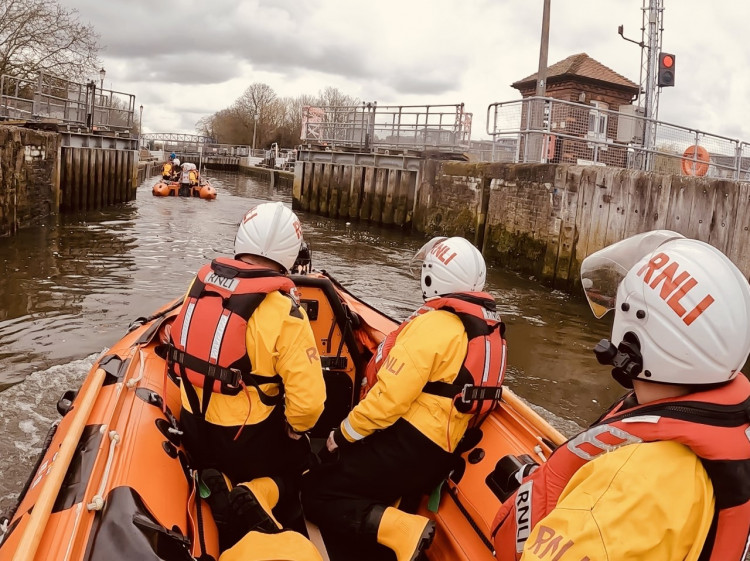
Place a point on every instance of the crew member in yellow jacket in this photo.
(252, 382)
(399, 440)
(663, 474)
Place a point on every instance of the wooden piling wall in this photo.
(92, 178)
(350, 191)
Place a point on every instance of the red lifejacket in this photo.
(478, 385)
(714, 424)
(208, 336)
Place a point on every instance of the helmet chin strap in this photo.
(626, 358)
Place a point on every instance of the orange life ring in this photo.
(695, 160)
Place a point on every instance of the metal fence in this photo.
(369, 127)
(57, 99)
(547, 130)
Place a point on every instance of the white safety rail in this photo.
(57, 99)
(370, 127)
(548, 130)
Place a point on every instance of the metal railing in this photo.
(548, 130)
(369, 127)
(57, 99)
(169, 138)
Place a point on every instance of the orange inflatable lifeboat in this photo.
(174, 189)
(114, 482)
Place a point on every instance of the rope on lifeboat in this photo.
(97, 501)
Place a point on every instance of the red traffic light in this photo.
(665, 76)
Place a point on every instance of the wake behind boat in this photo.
(114, 482)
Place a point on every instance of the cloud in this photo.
(190, 53)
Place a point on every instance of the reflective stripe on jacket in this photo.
(714, 424)
(242, 319)
(429, 347)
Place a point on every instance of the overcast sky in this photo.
(185, 59)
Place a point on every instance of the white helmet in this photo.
(176, 162)
(682, 309)
(450, 265)
(272, 231)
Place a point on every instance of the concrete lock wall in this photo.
(29, 177)
(544, 219)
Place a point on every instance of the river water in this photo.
(69, 289)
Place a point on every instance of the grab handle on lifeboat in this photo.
(32, 535)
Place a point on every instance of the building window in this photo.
(598, 120)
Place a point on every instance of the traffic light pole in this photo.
(653, 16)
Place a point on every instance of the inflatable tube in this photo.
(207, 192)
(172, 189)
(695, 160)
(162, 189)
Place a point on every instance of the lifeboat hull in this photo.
(173, 189)
(114, 482)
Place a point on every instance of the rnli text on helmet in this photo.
(440, 250)
(252, 213)
(676, 286)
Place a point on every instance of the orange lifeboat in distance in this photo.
(173, 189)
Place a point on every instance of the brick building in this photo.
(583, 81)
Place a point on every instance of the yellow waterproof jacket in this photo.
(430, 348)
(277, 343)
(649, 501)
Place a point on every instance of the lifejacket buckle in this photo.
(464, 398)
(236, 381)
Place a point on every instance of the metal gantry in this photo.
(65, 102)
(371, 127)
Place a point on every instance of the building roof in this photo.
(581, 65)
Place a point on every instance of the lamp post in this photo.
(90, 103)
(140, 128)
(102, 74)
(256, 117)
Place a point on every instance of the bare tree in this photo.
(41, 35)
(279, 119)
(333, 97)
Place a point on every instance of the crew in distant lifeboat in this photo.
(438, 371)
(176, 169)
(663, 475)
(186, 180)
(252, 382)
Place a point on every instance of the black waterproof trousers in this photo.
(398, 462)
(260, 450)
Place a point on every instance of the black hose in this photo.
(138, 322)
